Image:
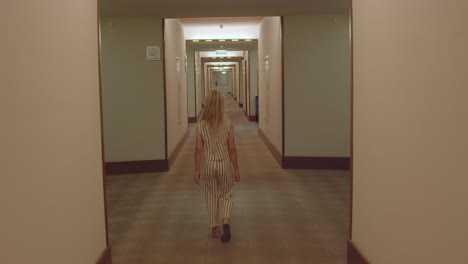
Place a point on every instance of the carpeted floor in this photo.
(280, 216)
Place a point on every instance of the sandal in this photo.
(215, 231)
(226, 237)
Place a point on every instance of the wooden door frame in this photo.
(351, 28)
(202, 78)
(102, 122)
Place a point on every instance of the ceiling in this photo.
(221, 63)
(228, 45)
(218, 8)
(222, 28)
(225, 21)
(209, 54)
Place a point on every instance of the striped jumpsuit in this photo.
(217, 171)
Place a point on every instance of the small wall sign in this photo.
(152, 53)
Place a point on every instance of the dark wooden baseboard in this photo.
(177, 149)
(354, 255)
(252, 118)
(316, 163)
(192, 119)
(138, 166)
(145, 166)
(106, 257)
(241, 105)
(276, 154)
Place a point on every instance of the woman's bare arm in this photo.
(233, 152)
(198, 157)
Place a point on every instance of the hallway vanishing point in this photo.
(280, 216)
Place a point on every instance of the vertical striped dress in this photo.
(217, 171)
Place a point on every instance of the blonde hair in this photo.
(213, 112)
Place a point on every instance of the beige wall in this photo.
(270, 82)
(198, 78)
(234, 83)
(247, 81)
(204, 76)
(206, 79)
(253, 59)
(230, 80)
(410, 131)
(191, 83)
(317, 82)
(240, 79)
(176, 83)
(51, 193)
(244, 84)
(237, 82)
(133, 90)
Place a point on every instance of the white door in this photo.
(221, 82)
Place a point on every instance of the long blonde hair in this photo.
(213, 112)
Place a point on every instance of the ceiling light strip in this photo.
(221, 40)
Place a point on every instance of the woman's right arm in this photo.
(233, 153)
(198, 157)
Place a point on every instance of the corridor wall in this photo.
(410, 131)
(245, 73)
(133, 90)
(317, 85)
(199, 82)
(270, 81)
(176, 84)
(191, 83)
(231, 84)
(237, 83)
(240, 79)
(206, 79)
(51, 190)
(253, 67)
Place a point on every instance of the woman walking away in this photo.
(215, 142)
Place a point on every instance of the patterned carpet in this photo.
(279, 216)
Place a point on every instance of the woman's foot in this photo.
(226, 237)
(215, 231)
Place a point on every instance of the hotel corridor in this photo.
(279, 216)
